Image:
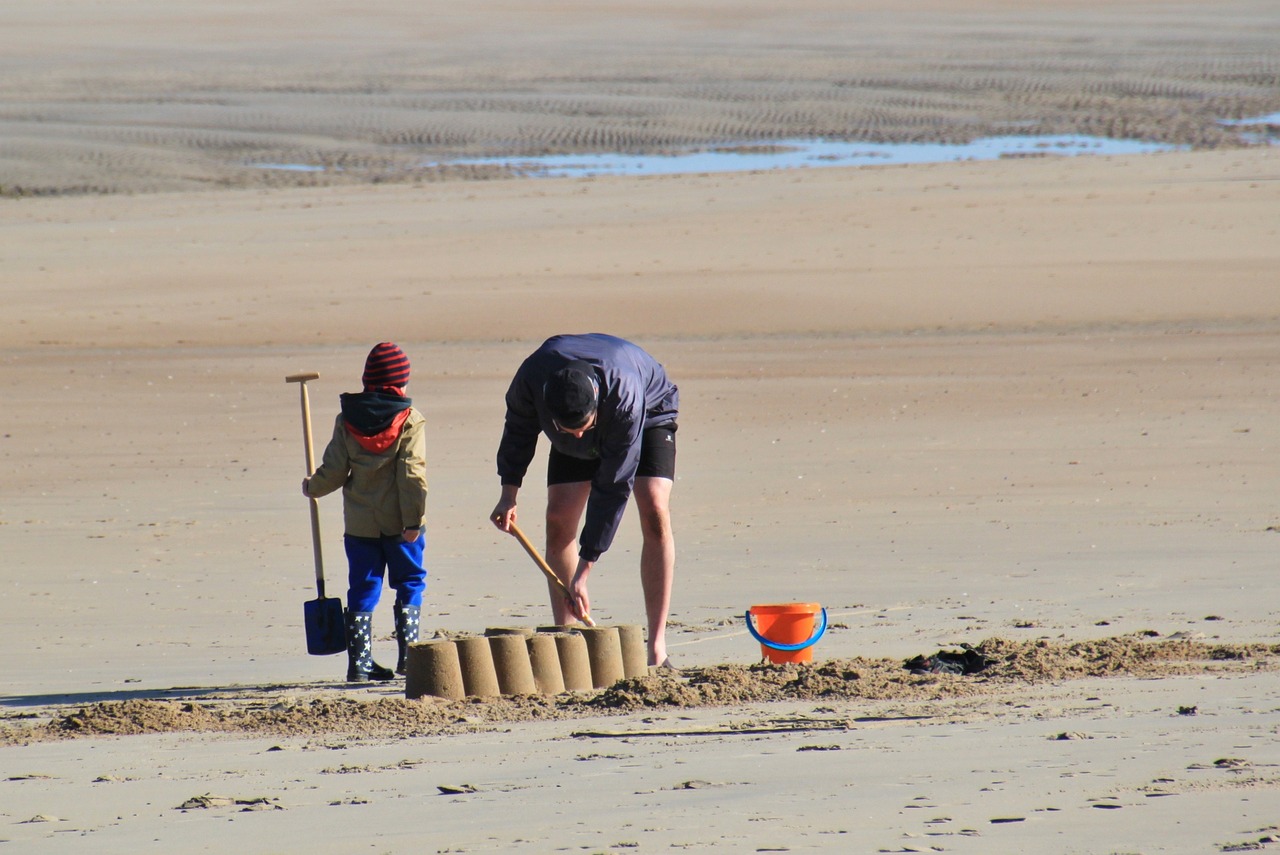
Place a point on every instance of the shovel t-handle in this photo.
(301, 379)
(545, 568)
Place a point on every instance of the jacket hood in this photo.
(374, 419)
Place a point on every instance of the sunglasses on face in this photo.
(585, 426)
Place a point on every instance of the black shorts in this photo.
(657, 459)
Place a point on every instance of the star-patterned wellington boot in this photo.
(360, 665)
(406, 631)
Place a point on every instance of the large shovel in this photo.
(323, 616)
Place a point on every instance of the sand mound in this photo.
(1010, 667)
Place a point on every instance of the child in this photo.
(378, 457)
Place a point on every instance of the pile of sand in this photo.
(1010, 667)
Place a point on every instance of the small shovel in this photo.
(323, 616)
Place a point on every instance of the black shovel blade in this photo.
(326, 626)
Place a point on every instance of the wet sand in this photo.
(1028, 403)
(137, 97)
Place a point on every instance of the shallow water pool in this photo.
(816, 153)
(801, 153)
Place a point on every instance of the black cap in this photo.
(571, 394)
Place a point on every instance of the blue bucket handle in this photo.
(817, 634)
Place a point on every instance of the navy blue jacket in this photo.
(635, 394)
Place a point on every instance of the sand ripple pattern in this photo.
(221, 115)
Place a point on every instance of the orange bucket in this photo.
(786, 632)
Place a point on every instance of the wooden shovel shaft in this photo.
(309, 446)
(546, 568)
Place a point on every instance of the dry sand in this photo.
(1027, 404)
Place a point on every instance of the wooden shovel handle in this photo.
(309, 447)
(545, 568)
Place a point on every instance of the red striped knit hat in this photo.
(386, 366)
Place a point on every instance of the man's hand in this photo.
(305, 491)
(410, 535)
(504, 513)
(579, 599)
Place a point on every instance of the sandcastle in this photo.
(545, 660)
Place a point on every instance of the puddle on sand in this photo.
(817, 153)
(288, 167)
(1263, 130)
(810, 153)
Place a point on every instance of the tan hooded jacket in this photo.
(384, 492)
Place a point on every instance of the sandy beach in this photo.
(1026, 405)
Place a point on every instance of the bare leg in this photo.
(657, 559)
(565, 503)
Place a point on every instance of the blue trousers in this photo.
(368, 558)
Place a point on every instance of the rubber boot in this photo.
(360, 665)
(406, 631)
